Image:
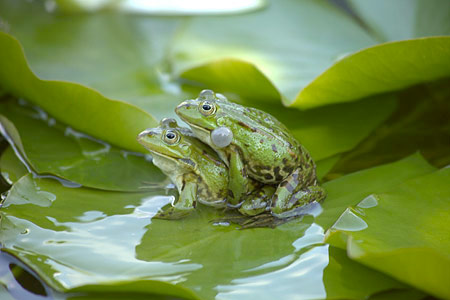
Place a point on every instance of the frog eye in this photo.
(171, 137)
(207, 108)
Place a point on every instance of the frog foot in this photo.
(264, 220)
(302, 202)
(173, 213)
(257, 202)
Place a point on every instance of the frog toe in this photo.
(173, 213)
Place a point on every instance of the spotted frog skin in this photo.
(195, 169)
(254, 145)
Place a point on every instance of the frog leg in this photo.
(185, 204)
(294, 192)
(257, 201)
(238, 179)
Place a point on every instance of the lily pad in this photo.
(351, 189)
(403, 232)
(49, 147)
(79, 238)
(80, 107)
(382, 68)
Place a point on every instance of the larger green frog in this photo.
(196, 170)
(255, 145)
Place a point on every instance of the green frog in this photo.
(254, 145)
(196, 170)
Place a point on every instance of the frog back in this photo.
(269, 151)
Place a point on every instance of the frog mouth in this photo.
(200, 128)
(165, 156)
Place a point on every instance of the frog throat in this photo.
(221, 137)
(201, 133)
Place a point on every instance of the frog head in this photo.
(206, 116)
(167, 140)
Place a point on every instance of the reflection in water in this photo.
(313, 235)
(302, 279)
(20, 282)
(110, 242)
(293, 276)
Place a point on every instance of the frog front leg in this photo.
(185, 204)
(297, 190)
(238, 179)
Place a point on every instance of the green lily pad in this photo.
(126, 58)
(52, 148)
(403, 232)
(382, 68)
(68, 266)
(350, 189)
(80, 107)
(79, 238)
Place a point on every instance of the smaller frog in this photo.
(196, 170)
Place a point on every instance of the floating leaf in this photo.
(52, 148)
(80, 107)
(350, 189)
(382, 68)
(404, 232)
(78, 238)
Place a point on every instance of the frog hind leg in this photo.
(257, 201)
(298, 190)
(184, 206)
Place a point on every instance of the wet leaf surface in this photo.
(73, 237)
(50, 147)
(386, 232)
